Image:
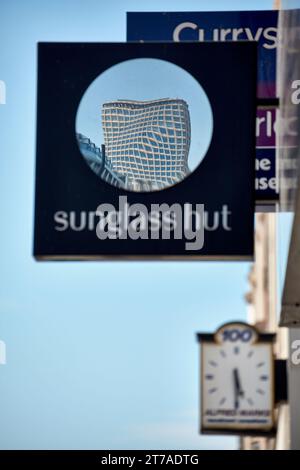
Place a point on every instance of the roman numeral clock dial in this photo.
(237, 380)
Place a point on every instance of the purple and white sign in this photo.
(265, 162)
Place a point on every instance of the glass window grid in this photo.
(145, 145)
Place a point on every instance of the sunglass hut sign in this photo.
(208, 214)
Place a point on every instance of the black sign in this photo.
(113, 175)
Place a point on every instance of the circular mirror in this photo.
(144, 125)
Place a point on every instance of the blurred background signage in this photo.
(260, 26)
(237, 381)
(115, 174)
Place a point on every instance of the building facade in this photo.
(262, 299)
(274, 278)
(147, 142)
(96, 160)
(288, 155)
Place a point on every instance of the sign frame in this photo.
(64, 180)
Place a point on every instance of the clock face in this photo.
(237, 380)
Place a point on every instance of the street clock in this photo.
(237, 380)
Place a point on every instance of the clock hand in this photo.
(236, 389)
(240, 390)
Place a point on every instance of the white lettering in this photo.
(224, 34)
(263, 164)
(236, 32)
(232, 34)
(60, 217)
(271, 34)
(134, 221)
(265, 183)
(180, 28)
(257, 35)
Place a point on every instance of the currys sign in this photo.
(259, 26)
(267, 36)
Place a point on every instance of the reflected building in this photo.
(147, 142)
(96, 160)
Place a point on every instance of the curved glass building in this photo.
(147, 142)
(96, 160)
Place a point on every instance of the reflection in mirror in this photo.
(145, 141)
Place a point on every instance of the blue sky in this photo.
(148, 79)
(100, 355)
